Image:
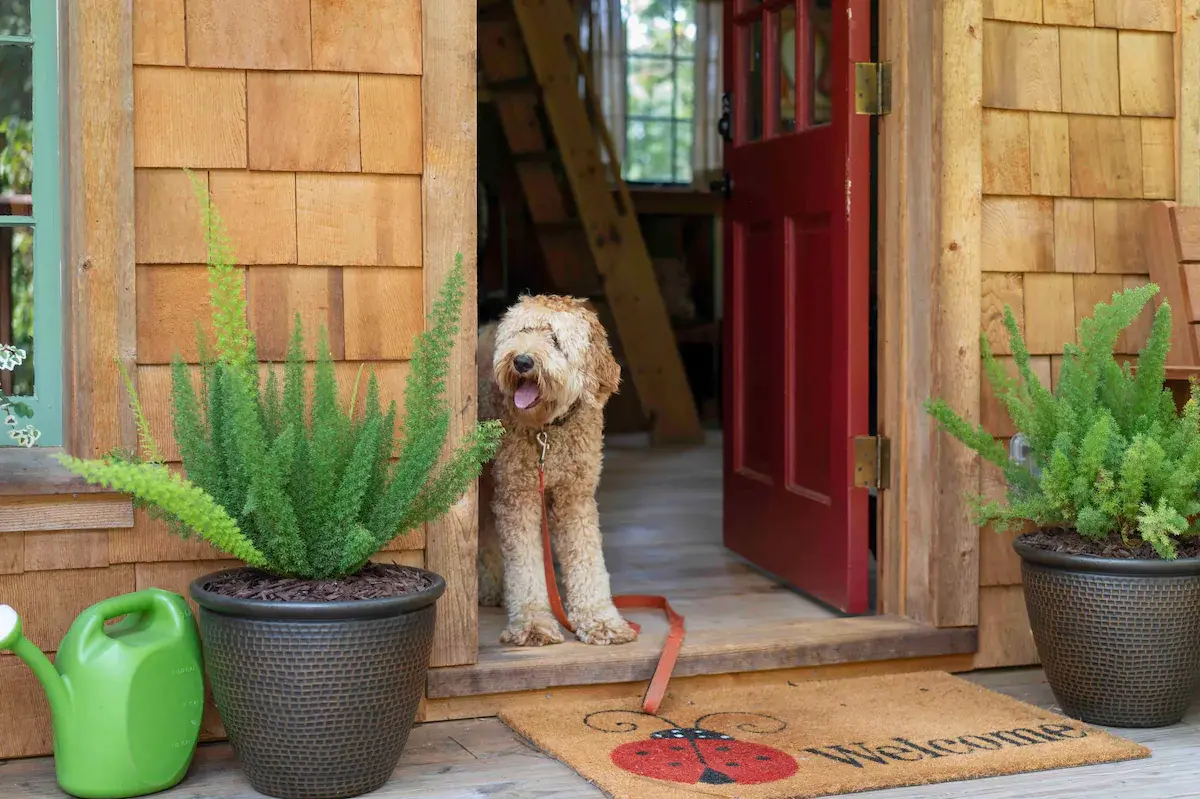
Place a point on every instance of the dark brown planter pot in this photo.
(1119, 639)
(317, 698)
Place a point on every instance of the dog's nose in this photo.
(522, 363)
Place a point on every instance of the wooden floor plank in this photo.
(660, 511)
(477, 758)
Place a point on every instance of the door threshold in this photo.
(706, 651)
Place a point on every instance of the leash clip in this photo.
(544, 440)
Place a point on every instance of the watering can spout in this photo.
(11, 638)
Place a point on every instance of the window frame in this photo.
(674, 59)
(46, 221)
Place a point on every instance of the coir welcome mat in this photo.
(799, 740)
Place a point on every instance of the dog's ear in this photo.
(603, 373)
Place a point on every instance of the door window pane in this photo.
(754, 81)
(785, 70)
(14, 17)
(16, 120)
(820, 29)
(16, 305)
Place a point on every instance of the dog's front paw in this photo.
(602, 631)
(536, 631)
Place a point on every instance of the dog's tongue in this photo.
(526, 395)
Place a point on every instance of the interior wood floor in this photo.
(660, 512)
(483, 758)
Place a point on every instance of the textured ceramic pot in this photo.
(1119, 639)
(317, 698)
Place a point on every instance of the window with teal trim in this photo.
(31, 233)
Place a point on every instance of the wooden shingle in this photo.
(249, 34)
(363, 220)
(999, 290)
(384, 312)
(1106, 156)
(1147, 74)
(276, 294)
(170, 301)
(158, 32)
(1049, 312)
(1021, 67)
(167, 224)
(303, 121)
(189, 117)
(1158, 158)
(1068, 12)
(258, 210)
(1153, 15)
(1119, 231)
(1005, 152)
(1018, 234)
(1049, 154)
(1090, 83)
(367, 36)
(390, 113)
(1074, 235)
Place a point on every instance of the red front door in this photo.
(797, 271)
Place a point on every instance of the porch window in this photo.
(30, 214)
(656, 65)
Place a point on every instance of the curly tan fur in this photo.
(574, 373)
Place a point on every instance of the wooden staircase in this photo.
(537, 76)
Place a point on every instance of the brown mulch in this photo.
(375, 581)
(1072, 543)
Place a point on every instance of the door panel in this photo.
(797, 293)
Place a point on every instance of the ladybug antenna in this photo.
(753, 727)
(622, 726)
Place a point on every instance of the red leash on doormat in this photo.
(670, 651)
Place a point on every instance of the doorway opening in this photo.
(667, 527)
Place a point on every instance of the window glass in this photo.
(30, 224)
(660, 43)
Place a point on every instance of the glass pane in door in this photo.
(820, 33)
(753, 42)
(785, 68)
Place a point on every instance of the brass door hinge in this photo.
(872, 462)
(873, 88)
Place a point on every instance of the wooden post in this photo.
(930, 196)
(450, 218)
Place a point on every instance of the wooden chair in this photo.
(1172, 246)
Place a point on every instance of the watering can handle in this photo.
(147, 600)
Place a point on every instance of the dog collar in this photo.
(560, 421)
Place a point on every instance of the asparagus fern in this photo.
(1112, 452)
(291, 480)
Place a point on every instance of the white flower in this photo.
(11, 357)
(27, 437)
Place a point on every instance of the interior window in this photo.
(660, 40)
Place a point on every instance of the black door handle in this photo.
(724, 186)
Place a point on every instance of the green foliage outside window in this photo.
(660, 89)
(287, 478)
(1112, 454)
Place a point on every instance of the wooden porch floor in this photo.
(660, 510)
(482, 757)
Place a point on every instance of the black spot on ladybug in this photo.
(675, 764)
(641, 753)
(713, 777)
(722, 748)
(733, 764)
(762, 757)
(676, 748)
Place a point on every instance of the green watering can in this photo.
(125, 699)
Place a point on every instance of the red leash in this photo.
(670, 652)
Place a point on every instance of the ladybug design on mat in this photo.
(697, 755)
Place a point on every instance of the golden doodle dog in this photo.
(546, 368)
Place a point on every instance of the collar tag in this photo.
(544, 440)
